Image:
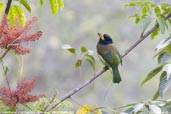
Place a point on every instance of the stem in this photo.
(5, 53)
(8, 7)
(100, 72)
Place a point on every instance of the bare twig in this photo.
(100, 72)
(5, 53)
(8, 6)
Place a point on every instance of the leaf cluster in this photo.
(151, 13)
(86, 55)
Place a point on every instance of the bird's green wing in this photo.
(112, 57)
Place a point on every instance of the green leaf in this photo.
(164, 44)
(144, 10)
(157, 10)
(137, 20)
(16, 12)
(90, 57)
(145, 22)
(154, 34)
(4, 66)
(163, 50)
(161, 24)
(83, 49)
(41, 2)
(61, 3)
(156, 95)
(54, 6)
(124, 106)
(1, 7)
(152, 73)
(72, 50)
(165, 81)
(169, 21)
(25, 4)
(130, 4)
(164, 57)
(78, 63)
(135, 109)
(91, 63)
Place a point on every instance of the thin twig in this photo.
(5, 53)
(100, 72)
(8, 7)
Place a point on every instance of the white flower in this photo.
(90, 52)
(66, 46)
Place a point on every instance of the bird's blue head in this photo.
(104, 39)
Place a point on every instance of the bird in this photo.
(110, 55)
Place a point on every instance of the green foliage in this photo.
(16, 12)
(151, 13)
(41, 2)
(152, 73)
(55, 5)
(25, 4)
(163, 54)
(4, 67)
(150, 107)
(38, 106)
(86, 55)
(1, 7)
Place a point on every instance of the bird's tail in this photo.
(116, 75)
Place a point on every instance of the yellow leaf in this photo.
(85, 109)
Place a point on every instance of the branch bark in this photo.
(8, 7)
(100, 72)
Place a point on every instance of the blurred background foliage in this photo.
(77, 24)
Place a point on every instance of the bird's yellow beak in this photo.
(101, 36)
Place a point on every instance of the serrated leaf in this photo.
(1, 7)
(161, 24)
(25, 4)
(83, 49)
(91, 63)
(54, 6)
(145, 22)
(155, 109)
(16, 12)
(61, 3)
(78, 63)
(152, 73)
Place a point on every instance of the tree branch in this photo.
(8, 6)
(100, 72)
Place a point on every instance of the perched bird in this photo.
(110, 55)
